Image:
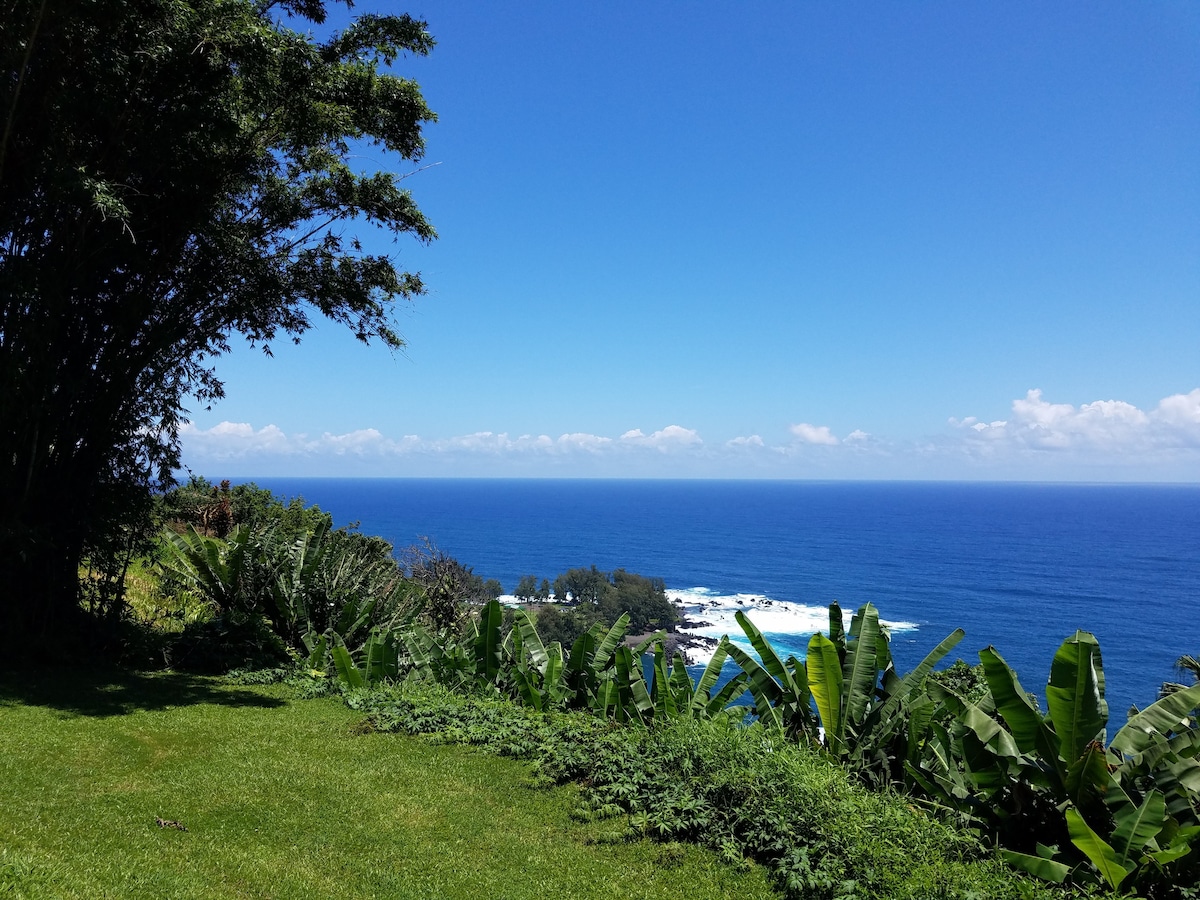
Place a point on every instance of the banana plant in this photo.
(215, 568)
(538, 672)
(781, 693)
(675, 695)
(862, 707)
(1117, 814)
(379, 658)
(588, 683)
(474, 661)
(295, 575)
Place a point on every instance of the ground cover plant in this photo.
(744, 792)
(125, 785)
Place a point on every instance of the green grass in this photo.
(281, 798)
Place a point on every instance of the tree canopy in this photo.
(173, 173)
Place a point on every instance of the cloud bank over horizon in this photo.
(1104, 440)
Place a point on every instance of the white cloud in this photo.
(670, 437)
(1180, 411)
(228, 441)
(1111, 426)
(751, 441)
(1038, 439)
(813, 434)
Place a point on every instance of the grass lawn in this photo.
(280, 799)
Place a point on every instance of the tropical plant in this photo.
(846, 695)
(1048, 789)
(219, 570)
(782, 697)
(675, 695)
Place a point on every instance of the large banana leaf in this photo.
(1088, 779)
(580, 674)
(837, 628)
(914, 680)
(553, 683)
(605, 648)
(825, 682)
(424, 652)
(765, 690)
(860, 672)
(1037, 866)
(709, 677)
(488, 647)
(632, 685)
(1028, 728)
(661, 689)
(1113, 869)
(1075, 695)
(1170, 714)
(346, 669)
(770, 659)
(317, 649)
(681, 683)
(1136, 827)
(530, 641)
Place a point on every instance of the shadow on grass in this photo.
(114, 692)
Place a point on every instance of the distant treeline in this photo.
(584, 596)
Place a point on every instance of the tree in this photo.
(173, 173)
(645, 599)
(526, 589)
(582, 586)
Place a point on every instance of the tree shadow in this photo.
(116, 692)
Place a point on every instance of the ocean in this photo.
(1017, 566)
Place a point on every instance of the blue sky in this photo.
(861, 240)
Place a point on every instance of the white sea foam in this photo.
(715, 617)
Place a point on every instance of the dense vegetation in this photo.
(585, 596)
(968, 746)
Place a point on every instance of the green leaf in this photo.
(1029, 730)
(1137, 827)
(681, 683)
(915, 679)
(837, 628)
(1046, 869)
(488, 653)
(1170, 714)
(1075, 695)
(531, 641)
(733, 689)
(664, 700)
(770, 659)
(825, 682)
(346, 669)
(1088, 778)
(605, 648)
(1012, 701)
(766, 691)
(859, 673)
(1111, 866)
(711, 674)
(552, 680)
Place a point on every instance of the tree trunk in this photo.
(39, 603)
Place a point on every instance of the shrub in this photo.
(744, 792)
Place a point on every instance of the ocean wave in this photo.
(788, 625)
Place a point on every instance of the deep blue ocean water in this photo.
(1018, 566)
